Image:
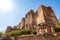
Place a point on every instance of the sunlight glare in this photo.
(5, 5)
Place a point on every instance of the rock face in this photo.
(42, 20)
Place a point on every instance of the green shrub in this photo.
(21, 32)
(33, 32)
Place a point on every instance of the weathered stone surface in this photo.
(9, 29)
(42, 20)
(46, 17)
(36, 37)
(29, 20)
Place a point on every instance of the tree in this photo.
(1, 34)
(59, 19)
(58, 24)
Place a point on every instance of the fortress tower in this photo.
(46, 19)
(43, 20)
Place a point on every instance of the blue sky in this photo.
(12, 11)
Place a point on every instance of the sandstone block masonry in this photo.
(36, 37)
(42, 20)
